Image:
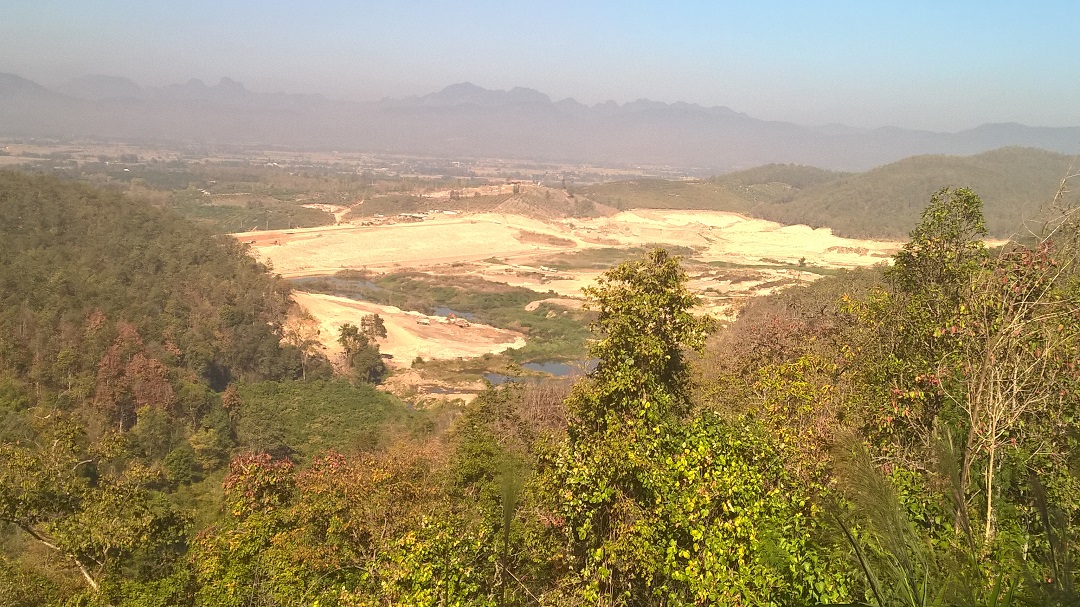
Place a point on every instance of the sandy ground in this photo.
(410, 384)
(484, 190)
(441, 240)
(445, 241)
(735, 238)
(512, 249)
(405, 338)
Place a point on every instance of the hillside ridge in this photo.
(1014, 183)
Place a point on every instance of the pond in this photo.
(339, 287)
(551, 367)
(563, 369)
(444, 311)
(498, 379)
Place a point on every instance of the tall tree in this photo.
(64, 493)
(361, 354)
(645, 323)
(661, 507)
(373, 326)
(302, 332)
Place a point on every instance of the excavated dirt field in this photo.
(443, 240)
(408, 334)
(748, 257)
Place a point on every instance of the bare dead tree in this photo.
(1022, 329)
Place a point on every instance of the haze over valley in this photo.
(467, 121)
(437, 304)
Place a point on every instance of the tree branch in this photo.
(29, 529)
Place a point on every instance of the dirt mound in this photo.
(850, 250)
(563, 302)
(527, 236)
(410, 385)
(548, 204)
(408, 334)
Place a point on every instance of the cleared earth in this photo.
(409, 335)
(442, 241)
(729, 258)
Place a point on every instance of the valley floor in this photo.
(729, 258)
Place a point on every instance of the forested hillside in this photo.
(887, 437)
(81, 268)
(138, 353)
(1014, 184)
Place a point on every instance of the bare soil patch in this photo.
(572, 304)
(444, 240)
(409, 334)
(757, 256)
(527, 237)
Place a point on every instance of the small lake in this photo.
(551, 367)
(339, 287)
(444, 311)
(563, 369)
(498, 379)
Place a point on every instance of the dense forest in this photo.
(893, 436)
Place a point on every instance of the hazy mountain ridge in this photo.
(465, 120)
(98, 87)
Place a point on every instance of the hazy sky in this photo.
(922, 64)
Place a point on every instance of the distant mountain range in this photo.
(464, 120)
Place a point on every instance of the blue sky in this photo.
(937, 65)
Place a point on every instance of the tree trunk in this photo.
(990, 493)
(82, 568)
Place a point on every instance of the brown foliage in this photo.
(129, 379)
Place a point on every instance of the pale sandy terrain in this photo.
(567, 284)
(410, 384)
(443, 240)
(405, 339)
(734, 238)
(483, 190)
(512, 249)
(518, 251)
